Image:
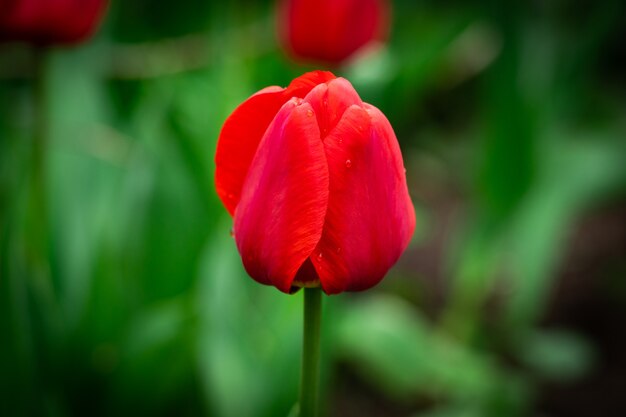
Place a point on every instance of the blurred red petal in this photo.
(370, 217)
(48, 22)
(331, 30)
(280, 216)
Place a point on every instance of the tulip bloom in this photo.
(50, 22)
(330, 31)
(315, 181)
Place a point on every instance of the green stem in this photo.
(309, 388)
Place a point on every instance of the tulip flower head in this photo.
(314, 179)
(330, 31)
(50, 22)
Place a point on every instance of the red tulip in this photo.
(315, 181)
(330, 31)
(46, 22)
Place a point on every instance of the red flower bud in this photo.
(315, 181)
(329, 31)
(47, 22)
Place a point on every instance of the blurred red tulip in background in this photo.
(50, 22)
(315, 181)
(330, 31)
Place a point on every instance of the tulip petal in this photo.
(280, 216)
(301, 86)
(238, 142)
(370, 217)
(330, 101)
(244, 128)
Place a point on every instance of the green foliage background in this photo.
(124, 293)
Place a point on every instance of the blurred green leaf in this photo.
(556, 355)
(575, 173)
(402, 355)
(249, 337)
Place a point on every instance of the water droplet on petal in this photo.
(340, 141)
(405, 170)
(360, 128)
(309, 113)
(348, 163)
(231, 196)
(232, 232)
(319, 256)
